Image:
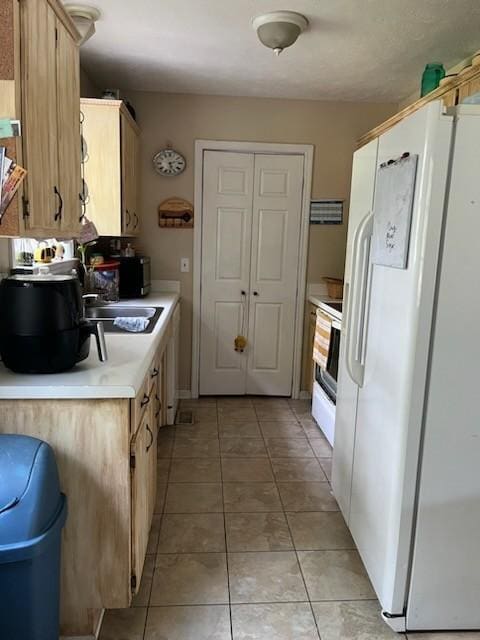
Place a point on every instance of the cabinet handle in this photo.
(154, 373)
(145, 400)
(129, 217)
(83, 214)
(255, 293)
(135, 224)
(58, 215)
(151, 437)
(159, 406)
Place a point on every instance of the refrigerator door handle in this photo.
(357, 301)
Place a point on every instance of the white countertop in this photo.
(129, 357)
(319, 299)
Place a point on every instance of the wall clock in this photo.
(169, 162)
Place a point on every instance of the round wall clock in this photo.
(168, 162)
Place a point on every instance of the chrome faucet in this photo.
(92, 299)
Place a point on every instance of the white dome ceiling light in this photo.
(279, 29)
(84, 18)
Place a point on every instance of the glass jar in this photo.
(104, 279)
(431, 77)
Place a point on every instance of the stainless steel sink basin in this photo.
(107, 315)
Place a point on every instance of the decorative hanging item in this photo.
(240, 342)
(175, 213)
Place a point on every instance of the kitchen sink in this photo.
(107, 315)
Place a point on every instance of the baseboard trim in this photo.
(305, 395)
(94, 636)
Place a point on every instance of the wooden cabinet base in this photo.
(91, 440)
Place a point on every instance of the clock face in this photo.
(168, 162)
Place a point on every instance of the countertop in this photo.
(129, 357)
(318, 299)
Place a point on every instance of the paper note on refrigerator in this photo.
(392, 214)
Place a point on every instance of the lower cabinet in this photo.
(141, 451)
(106, 450)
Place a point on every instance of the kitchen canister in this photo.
(105, 279)
(431, 77)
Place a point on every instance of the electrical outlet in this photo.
(184, 265)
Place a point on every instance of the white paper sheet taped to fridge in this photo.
(392, 214)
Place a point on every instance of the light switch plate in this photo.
(184, 265)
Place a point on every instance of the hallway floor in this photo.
(247, 542)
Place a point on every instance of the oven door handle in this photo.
(358, 299)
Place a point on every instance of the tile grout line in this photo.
(293, 544)
(225, 537)
(162, 515)
(300, 567)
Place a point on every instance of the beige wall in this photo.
(181, 119)
(4, 255)
(88, 89)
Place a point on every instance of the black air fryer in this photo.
(42, 324)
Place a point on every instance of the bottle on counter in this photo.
(129, 251)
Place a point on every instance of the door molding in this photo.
(305, 150)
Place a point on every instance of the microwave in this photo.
(134, 277)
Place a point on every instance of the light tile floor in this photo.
(247, 542)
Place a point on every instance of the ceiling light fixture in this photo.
(279, 29)
(84, 18)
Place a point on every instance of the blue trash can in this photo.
(32, 514)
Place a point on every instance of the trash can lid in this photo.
(29, 487)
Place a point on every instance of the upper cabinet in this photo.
(110, 142)
(451, 92)
(44, 88)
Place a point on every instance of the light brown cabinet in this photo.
(309, 333)
(106, 450)
(143, 458)
(111, 167)
(42, 70)
(459, 87)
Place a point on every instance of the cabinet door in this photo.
(134, 176)
(468, 89)
(39, 103)
(128, 181)
(158, 399)
(450, 98)
(312, 321)
(141, 446)
(151, 461)
(68, 111)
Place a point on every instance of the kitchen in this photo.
(242, 474)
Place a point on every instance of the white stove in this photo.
(325, 378)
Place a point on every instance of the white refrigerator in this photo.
(406, 458)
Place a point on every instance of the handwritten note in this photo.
(394, 195)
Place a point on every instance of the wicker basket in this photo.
(334, 288)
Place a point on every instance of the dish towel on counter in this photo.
(321, 344)
(132, 324)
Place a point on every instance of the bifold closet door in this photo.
(226, 245)
(276, 223)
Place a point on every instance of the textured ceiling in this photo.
(366, 50)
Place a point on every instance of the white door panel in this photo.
(252, 207)
(361, 202)
(277, 208)
(226, 241)
(390, 402)
(266, 344)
